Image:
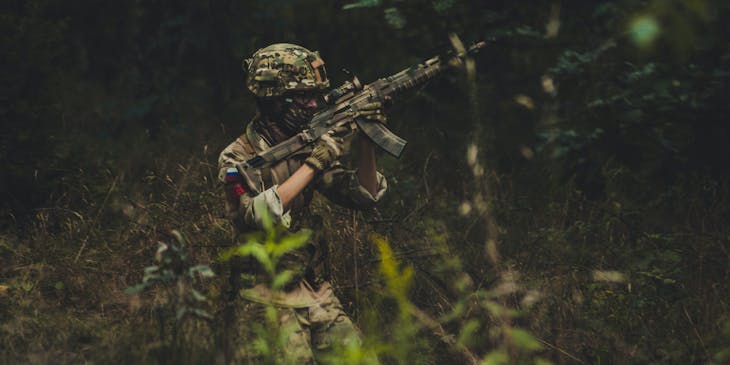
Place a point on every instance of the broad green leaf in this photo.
(523, 339)
(397, 281)
(282, 279)
(260, 346)
(494, 308)
(255, 249)
(270, 313)
(495, 358)
(227, 254)
(466, 335)
(260, 254)
(266, 221)
(290, 243)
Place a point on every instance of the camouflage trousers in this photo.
(312, 334)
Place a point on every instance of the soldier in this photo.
(289, 81)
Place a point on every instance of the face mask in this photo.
(294, 116)
(281, 118)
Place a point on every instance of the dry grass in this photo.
(63, 278)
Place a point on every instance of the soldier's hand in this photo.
(373, 111)
(343, 129)
(326, 151)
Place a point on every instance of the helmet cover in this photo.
(284, 67)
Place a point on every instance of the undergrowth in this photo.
(574, 281)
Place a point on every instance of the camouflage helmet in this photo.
(284, 67)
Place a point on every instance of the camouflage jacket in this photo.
(244, 209)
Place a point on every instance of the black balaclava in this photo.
(281, 118)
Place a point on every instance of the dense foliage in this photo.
(567, 204)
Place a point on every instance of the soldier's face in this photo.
(307, 101)
(310, 101)
(297, 109)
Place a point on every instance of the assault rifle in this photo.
(345, 101)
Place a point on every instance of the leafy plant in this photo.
(267, 333)
(268, 246)
(175, 276)
(175, 273)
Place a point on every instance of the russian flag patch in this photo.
(234, 186)
(232, 174)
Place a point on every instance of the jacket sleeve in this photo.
(342, 186)
(247, 200)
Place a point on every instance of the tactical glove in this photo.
(326, 151)
(373, 111)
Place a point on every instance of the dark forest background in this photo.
(568, 205)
